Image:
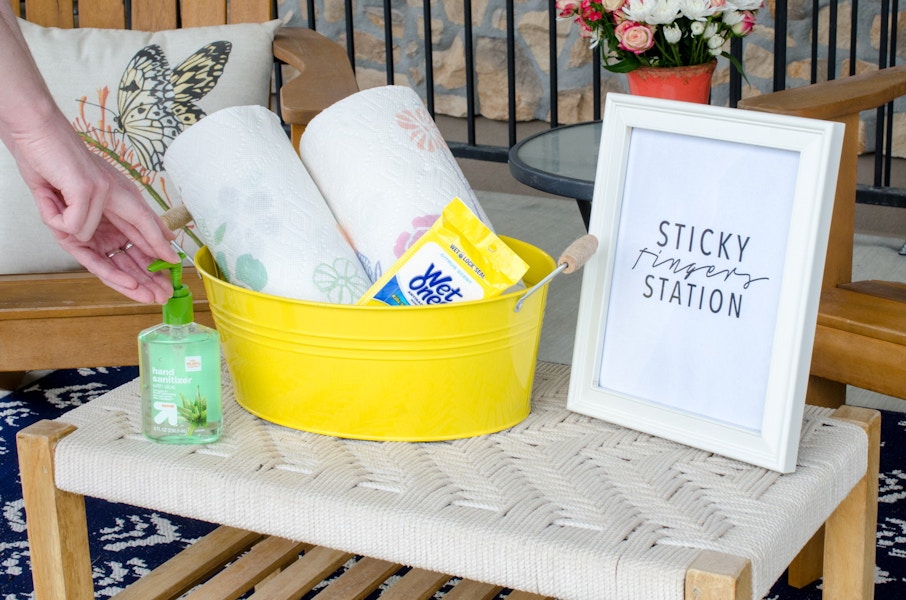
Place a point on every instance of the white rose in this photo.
(672, 33)
(697, 10)
(716, 42)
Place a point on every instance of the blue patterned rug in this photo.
(127, 542)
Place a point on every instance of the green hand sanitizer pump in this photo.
(179, 366)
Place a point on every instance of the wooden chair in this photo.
(860, 338)
(861, 334)
(68, 320)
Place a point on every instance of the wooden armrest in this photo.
(836, 98)
(325, 75)
(872, 309)
(860, 339)
(892, 290)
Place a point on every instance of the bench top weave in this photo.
(562, 504)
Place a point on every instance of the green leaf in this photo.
(736, 64)
(624, 66)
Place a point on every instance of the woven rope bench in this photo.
(560, 506)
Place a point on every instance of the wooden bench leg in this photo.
(850, 539)
(808, 566)
(57, 527)
(719, 576)
(10, 380)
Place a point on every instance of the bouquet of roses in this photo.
(660, 33)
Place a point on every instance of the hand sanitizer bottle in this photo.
(179, 365)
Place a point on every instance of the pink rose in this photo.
(567, 8)
(588, 12)
(634, 37)
(613, 5)
(746, 24)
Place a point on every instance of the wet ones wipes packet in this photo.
(459, 258)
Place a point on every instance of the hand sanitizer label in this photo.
(181, 391)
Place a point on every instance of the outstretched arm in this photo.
(92, 209)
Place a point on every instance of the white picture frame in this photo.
(697, 313)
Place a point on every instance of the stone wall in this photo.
(574, 94)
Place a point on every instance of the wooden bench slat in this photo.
(302, 576)
(360, 580)
(267, 556)
(473, 590)
(417, 584)
(518, 595)
(191, 566)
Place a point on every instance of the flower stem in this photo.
(133, 172)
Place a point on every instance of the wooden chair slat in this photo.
(17, 7)
(154, 15)
(104, 14)
(49, 13)
(201, 13)
(250, 11)
(266, 557)
(300, 577)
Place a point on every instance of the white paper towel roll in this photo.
(258, 210)
(385, 170)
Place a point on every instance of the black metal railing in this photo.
(826, 19)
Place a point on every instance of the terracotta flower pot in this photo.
(691, 84)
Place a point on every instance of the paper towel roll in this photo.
(385, 171)
(258, 210)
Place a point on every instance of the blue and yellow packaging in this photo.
(458, 259)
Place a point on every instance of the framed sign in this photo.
(697, 314)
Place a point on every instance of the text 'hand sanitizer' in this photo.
(179, 364)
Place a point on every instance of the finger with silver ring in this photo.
(122, 249)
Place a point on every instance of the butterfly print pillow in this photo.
(128, 94)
